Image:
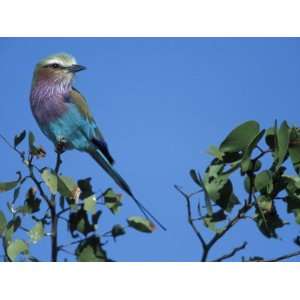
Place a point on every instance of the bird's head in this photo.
(58, 68)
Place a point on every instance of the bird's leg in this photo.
(60, 147)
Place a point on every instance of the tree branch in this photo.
(22, 155)
(280, 258)
(54, 216)
(190, 219)
(240, 215)
(284, 257)
(232, 253)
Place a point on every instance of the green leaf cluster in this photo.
(243, 152)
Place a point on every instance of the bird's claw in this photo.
(61, 146)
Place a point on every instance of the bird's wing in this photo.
(95, 137)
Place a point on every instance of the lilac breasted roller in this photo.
(64, 117)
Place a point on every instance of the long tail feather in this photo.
(122, 183)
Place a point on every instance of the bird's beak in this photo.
(76, 68)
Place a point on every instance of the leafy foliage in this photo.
(141, 224)
(91, 250)
(43, 198)
(242, 153)
(15, 248)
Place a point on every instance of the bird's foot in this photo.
(60, 147)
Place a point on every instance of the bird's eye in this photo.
(55, 66)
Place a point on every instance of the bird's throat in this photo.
(47, 99)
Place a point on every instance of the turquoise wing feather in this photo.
(87, 124)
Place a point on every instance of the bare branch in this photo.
(283, 257)
(63, 211)
(232, 253)
(38, 184)
(54, 216)
(58, 162)
(12, 147)
(190, 218)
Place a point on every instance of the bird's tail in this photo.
(122, 184)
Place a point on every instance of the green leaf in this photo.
(3, 223)
(257, 166)
(294, 152)
(294, 207)
(270, 138)
(219, 187)
(90, 204)
(31, 203)
(214, 151)
(19, 138)
(196, 178)
(231, 157)
(283, 138)
(213, 180)
(9, 185)
(112, 200)
(265, 203)
(240, 138)
(268, 222)
(90, 250)
(117, 230)
(51, 180)
(247, 184)
(262, 180)
(246, 166)
(252, 145)
(85, 187)
(294, 149)
(210, 221)
(78, 221)
(95, 217)
(11, 227)
(68, 188)
(15, 248)
(141, 224)
(37, 232)
(228, 203)
(65, 185)
(292, 185)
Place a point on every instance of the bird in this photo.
(63, 115)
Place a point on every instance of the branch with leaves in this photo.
(51, 198)
(219, 209)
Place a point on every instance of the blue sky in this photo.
(160, 103)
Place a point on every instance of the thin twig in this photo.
(284, 257)
(190, 218)
(70, 244)
(232, 253)
(12, 147)
(240, 215)
(38, 184)
(63, 211)
(260, 149)
(63, 218)
(58, 162)
(262, 154)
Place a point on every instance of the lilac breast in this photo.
(48, 101)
